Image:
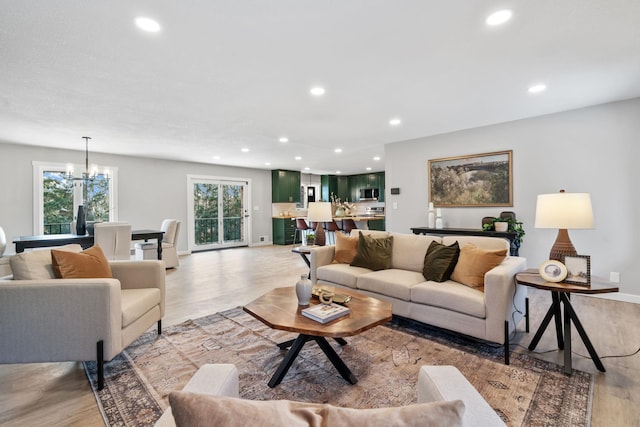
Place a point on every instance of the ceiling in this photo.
(225, 75)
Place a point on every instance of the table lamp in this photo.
(563, 211)
(319, 212)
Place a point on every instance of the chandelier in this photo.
(88, 174)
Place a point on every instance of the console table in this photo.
(86, 241)
(509, 235)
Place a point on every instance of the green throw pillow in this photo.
(374, 254)
(440, 261)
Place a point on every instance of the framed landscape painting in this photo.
(474, 180)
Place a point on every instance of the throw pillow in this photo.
(346, 248)
(374, 254)
(440, 261)
(473, 263)
(194, 410)
(36, 265)
(88, 264)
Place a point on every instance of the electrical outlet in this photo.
(395, 205)
(614, 277)
(263, 238)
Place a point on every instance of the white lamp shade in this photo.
(564, 211)
(319, 212)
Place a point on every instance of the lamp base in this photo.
(320, 236)
(562, 246)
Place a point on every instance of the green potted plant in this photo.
(311, 239)
(513, 225)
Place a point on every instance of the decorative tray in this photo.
(337, 298)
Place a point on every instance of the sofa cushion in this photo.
(343, 274)
(473, 264)
(88, 264)
(451, 296)
(440, 261)
(193, 409)
(392, 282)
(409, 250)
(483, 242)
(374, 254)
(346, 249)
(37, 265)
(136, 302)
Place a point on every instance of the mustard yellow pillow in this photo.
(473, 264)
(346, 248)
(88, 264)
(193, 409)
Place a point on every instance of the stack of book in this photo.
(324, 313)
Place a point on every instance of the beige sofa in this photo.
(491, 315)
(57, 320)
(435, 384)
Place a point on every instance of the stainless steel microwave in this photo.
(369, 193)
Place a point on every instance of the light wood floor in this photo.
(58, 394)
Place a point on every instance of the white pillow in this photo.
(36, 265)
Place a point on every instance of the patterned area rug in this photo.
(386, 360)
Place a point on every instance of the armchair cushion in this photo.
(88, 264)
(37, 265)
(193, 409)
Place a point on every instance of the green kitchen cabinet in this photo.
(285, 186)
(283, 231)
(376, 224)
(338, 185)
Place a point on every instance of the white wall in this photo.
(149, 190)
(594, 150)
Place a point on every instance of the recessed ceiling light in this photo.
(147, 24)
(216, 157)
(376, 158)
(537, 88)
(395, 122)
(338, 172)
(245, 150)
(317, 91)
(338, 150)
(307, 168)
(284, 139)
(499, 17)
(368, 169)
(298, 158)
(267, 164)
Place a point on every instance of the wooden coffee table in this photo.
(279, 309)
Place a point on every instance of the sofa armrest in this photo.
(503, 298)
(445, 383)
(140, 275)
(58, 320)
(321, 255)
(211, 379)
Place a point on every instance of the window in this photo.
(57, 199)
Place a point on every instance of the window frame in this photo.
(38, 191)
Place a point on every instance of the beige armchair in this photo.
(58, 320)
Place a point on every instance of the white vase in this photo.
(3, 241)
(303, 290)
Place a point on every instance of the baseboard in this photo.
(269, 243)
(617, 296)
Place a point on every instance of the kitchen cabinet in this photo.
(368, 180)
(376, 224)
(338, 185)
(285, 186)
(283, 230)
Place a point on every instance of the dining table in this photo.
(86, 241)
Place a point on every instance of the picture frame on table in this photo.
(578, 269)
(552, 271)
(476, 180)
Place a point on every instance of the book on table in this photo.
(324, 313)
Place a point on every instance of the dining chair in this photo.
(347, 225)
(302, 227)
(331, 227)
(114, 239)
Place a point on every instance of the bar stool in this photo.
(347, 225)
(302, 227)
(331, 228)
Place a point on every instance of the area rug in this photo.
(385, 359)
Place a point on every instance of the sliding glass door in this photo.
(218, 216)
